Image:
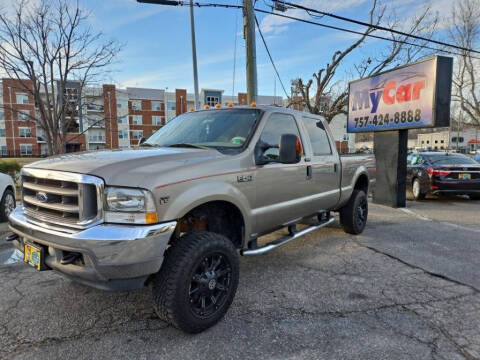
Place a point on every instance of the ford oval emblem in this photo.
(42, 197)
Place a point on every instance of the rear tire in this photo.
(417, 190)
(197, 281)
(353, 216)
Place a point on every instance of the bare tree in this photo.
(45, 47)
(327, 97)
(465, 31)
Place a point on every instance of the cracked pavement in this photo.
(407, 288)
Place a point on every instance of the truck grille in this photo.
(62, 198)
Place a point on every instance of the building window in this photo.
(137, 134)
(156, 106)
(442, 141)
(123, 104)
(24, 115)
(212, 100)
(428, 141)
(25, 132)
(123, 119)
(423, 142)
(3, 132)
(26, 149)
(137, 120)
(171, 105)
(123, 134)
(3, 150)
(136, 105)
(22, 98)
(2, 115)
(157, 120)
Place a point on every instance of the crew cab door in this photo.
(323, 165)
(279, 187)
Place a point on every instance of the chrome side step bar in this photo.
(286, 239)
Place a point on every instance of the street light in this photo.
(192, 31)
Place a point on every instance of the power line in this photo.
(348, 30)
(270, 56)
(361, 33)
(378, 27)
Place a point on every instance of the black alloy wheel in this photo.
(210, 285)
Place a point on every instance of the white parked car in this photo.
(7, 193)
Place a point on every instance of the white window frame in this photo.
(159, 105)
(137, 117)
(135, 103)
(123, 134)
(122, 102)
(3, 150)
(4, 131)
(155, 118)
(212, 100)
(26, 146)
(122, 119)
(24, 115)
(23, 95)
(29, 131)
(134, 136)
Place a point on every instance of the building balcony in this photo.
(96, 139)
(95, 108)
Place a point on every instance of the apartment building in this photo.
(103, 117)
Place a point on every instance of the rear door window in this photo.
(318, 136)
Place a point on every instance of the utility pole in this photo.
(194, 57)
(249, 35)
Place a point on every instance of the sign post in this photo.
(411, 96)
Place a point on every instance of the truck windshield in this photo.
(219, 129)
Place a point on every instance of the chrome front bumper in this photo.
(113, 257)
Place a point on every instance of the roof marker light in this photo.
(253, 104)
(218, 106)
(206, 107)
(230, 104)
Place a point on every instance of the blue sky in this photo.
(157, 50)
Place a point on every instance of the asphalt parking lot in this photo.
(407, 288)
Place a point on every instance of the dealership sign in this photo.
(411, 96)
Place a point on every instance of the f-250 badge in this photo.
(244, 178)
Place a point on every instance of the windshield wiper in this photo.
(187, 145)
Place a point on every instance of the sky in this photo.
(157, 49)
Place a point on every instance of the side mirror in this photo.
(141, 141)
(290, 151)
(260, 158)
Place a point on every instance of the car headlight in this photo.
(130, 206)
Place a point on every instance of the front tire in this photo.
(7, 205)
(197, 281)
(417, 190)
(353, 216)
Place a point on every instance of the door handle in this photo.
(335, 167)
(309, 172)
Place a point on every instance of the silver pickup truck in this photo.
(175, 213)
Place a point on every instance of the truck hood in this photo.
(132, 166)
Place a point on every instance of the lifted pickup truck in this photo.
(176, 212)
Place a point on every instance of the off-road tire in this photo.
(3, 203)
(353, 216)
(171, 286)
(417, 194)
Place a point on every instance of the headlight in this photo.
(131, 206)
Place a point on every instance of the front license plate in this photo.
(464, 176)
(32, 255)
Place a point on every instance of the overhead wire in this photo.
(377, 27)
(271, 58)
